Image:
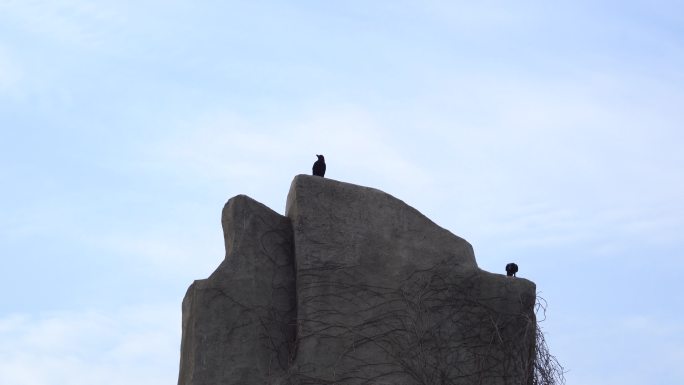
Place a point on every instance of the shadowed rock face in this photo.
(382, 296)
(238, 323)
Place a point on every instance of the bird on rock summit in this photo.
(511, 269)
(319, 166)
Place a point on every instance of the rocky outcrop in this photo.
(238, 324)
(382, 296)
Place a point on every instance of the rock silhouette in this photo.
(352, 286)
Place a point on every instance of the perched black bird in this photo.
(511, 269)
(319, 166)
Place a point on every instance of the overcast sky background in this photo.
(544, 132)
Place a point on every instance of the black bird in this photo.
(319, 166)
(511, 269)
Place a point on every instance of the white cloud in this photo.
(134, 345)
(11, 74)
(226, 146)
(650, 326)
(481, 17)
(630, 349)
(73, 22)
(178, 240)
(191, 252)
(539, 163)
(561, 161)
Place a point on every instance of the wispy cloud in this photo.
(135, 345)
(226, 145)
(630, 349)
(11, 74)
(192, 254)
(71, 22)
(560, 161)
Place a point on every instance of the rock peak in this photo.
(371, 226)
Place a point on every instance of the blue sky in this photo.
(546, 133)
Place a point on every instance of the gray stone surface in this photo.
(383, 296)
(238, 323)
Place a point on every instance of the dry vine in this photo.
(547, 369)
(434, 328)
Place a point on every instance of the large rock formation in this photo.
(352, 286)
